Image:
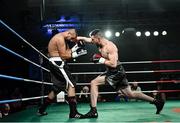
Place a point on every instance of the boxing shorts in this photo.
(116, 77)
(61, 77)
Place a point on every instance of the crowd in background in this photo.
(84, 96)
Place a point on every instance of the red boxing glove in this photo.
(98, 58)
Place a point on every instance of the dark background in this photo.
(28, 18)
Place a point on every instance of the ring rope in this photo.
(137, 62)
(23, 39)
(23, 99)
(39, 97)
(25, 59)
(157, 91)
(22, 79)
(150, 71)
(143, 82)
(134, 62)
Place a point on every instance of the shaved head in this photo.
(72, 32)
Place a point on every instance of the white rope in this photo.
(92, 73)
(22, 57)
(37, 65)
(154, 91)
(133, 62)
(40, 82)
(112, 92)
(150, 71)
(23, 39)
(32, 98)
(92, 63)
(87, 73)
(21, 99)
(22, 79)
(142, 82)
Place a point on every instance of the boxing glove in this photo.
(80, 44)
(98, 58)
(79, 52)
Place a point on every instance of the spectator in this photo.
(84, 96)
(16, 106)
(4, 110)
(1, 114)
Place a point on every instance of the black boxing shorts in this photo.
(61, 77)
(116, 77)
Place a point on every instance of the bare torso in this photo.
(53, 49)
(108, 48)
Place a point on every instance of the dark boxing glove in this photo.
(97, 58)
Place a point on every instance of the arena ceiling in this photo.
(94, 10)
(26, 14)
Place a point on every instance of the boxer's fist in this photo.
(79, 52)
(78, 45)
(98, 58)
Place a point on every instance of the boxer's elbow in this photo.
(111, 64)
(65, 56)
(114, 65)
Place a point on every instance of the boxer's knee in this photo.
(94, 83)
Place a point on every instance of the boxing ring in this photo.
(108, 111)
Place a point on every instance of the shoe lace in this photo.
(91, 113)
(77, 115)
